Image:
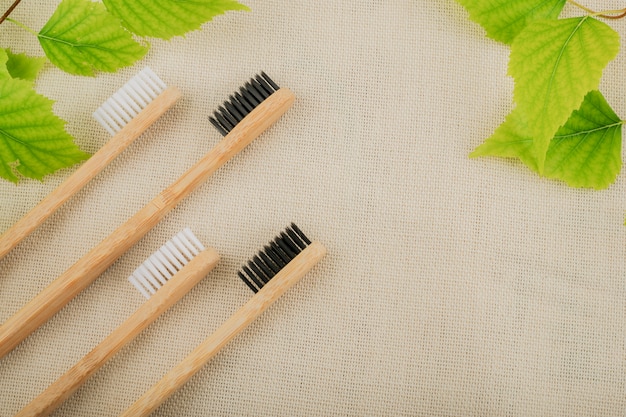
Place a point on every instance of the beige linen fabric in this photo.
(452, 287)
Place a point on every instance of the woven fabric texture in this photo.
(452, 286)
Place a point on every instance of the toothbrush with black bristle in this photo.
(247, 114)
(276, 268)
(164, 278)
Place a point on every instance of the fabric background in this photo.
(452, 287)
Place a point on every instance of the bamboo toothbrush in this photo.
(164, 278)
(269, 274)
(125, 115)
(257, 105)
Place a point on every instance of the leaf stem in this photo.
(9, 10)
(23, 26)
(606, 14)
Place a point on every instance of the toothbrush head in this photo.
(129, 100)
(242, 102)
(165, 262)
(268, 262)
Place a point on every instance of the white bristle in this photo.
(129, 100)
(164, 263)
(171, 253)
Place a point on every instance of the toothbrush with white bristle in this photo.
(164, 278)
(125, 115)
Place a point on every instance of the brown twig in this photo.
(618, 16)
(10, 9)
(607, 14)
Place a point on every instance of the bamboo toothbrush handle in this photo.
(164, 298)
(182, 372)
(88, 170)
(62, 290)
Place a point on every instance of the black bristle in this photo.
(259, 274)
(228, 115)
(248, 96)
(242, 102)
(280, 253)
(235, 108)
(247, 107)
(268, 262)
(287, 245)
(267, 89)
(218, 126)
(274, 256)
(269, 80)
(300, 233)
(267, 271)
(252, 277)
(247, 281)
(224, 122)
(255, 90)
(296, 239)
(263, 90)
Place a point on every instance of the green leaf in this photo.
(585, 152)
(509, 141)
(555, 63)
(4, 58)
(33, 140)
(503, 20)
(167, 18)
(81, 36)
(23, 66)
